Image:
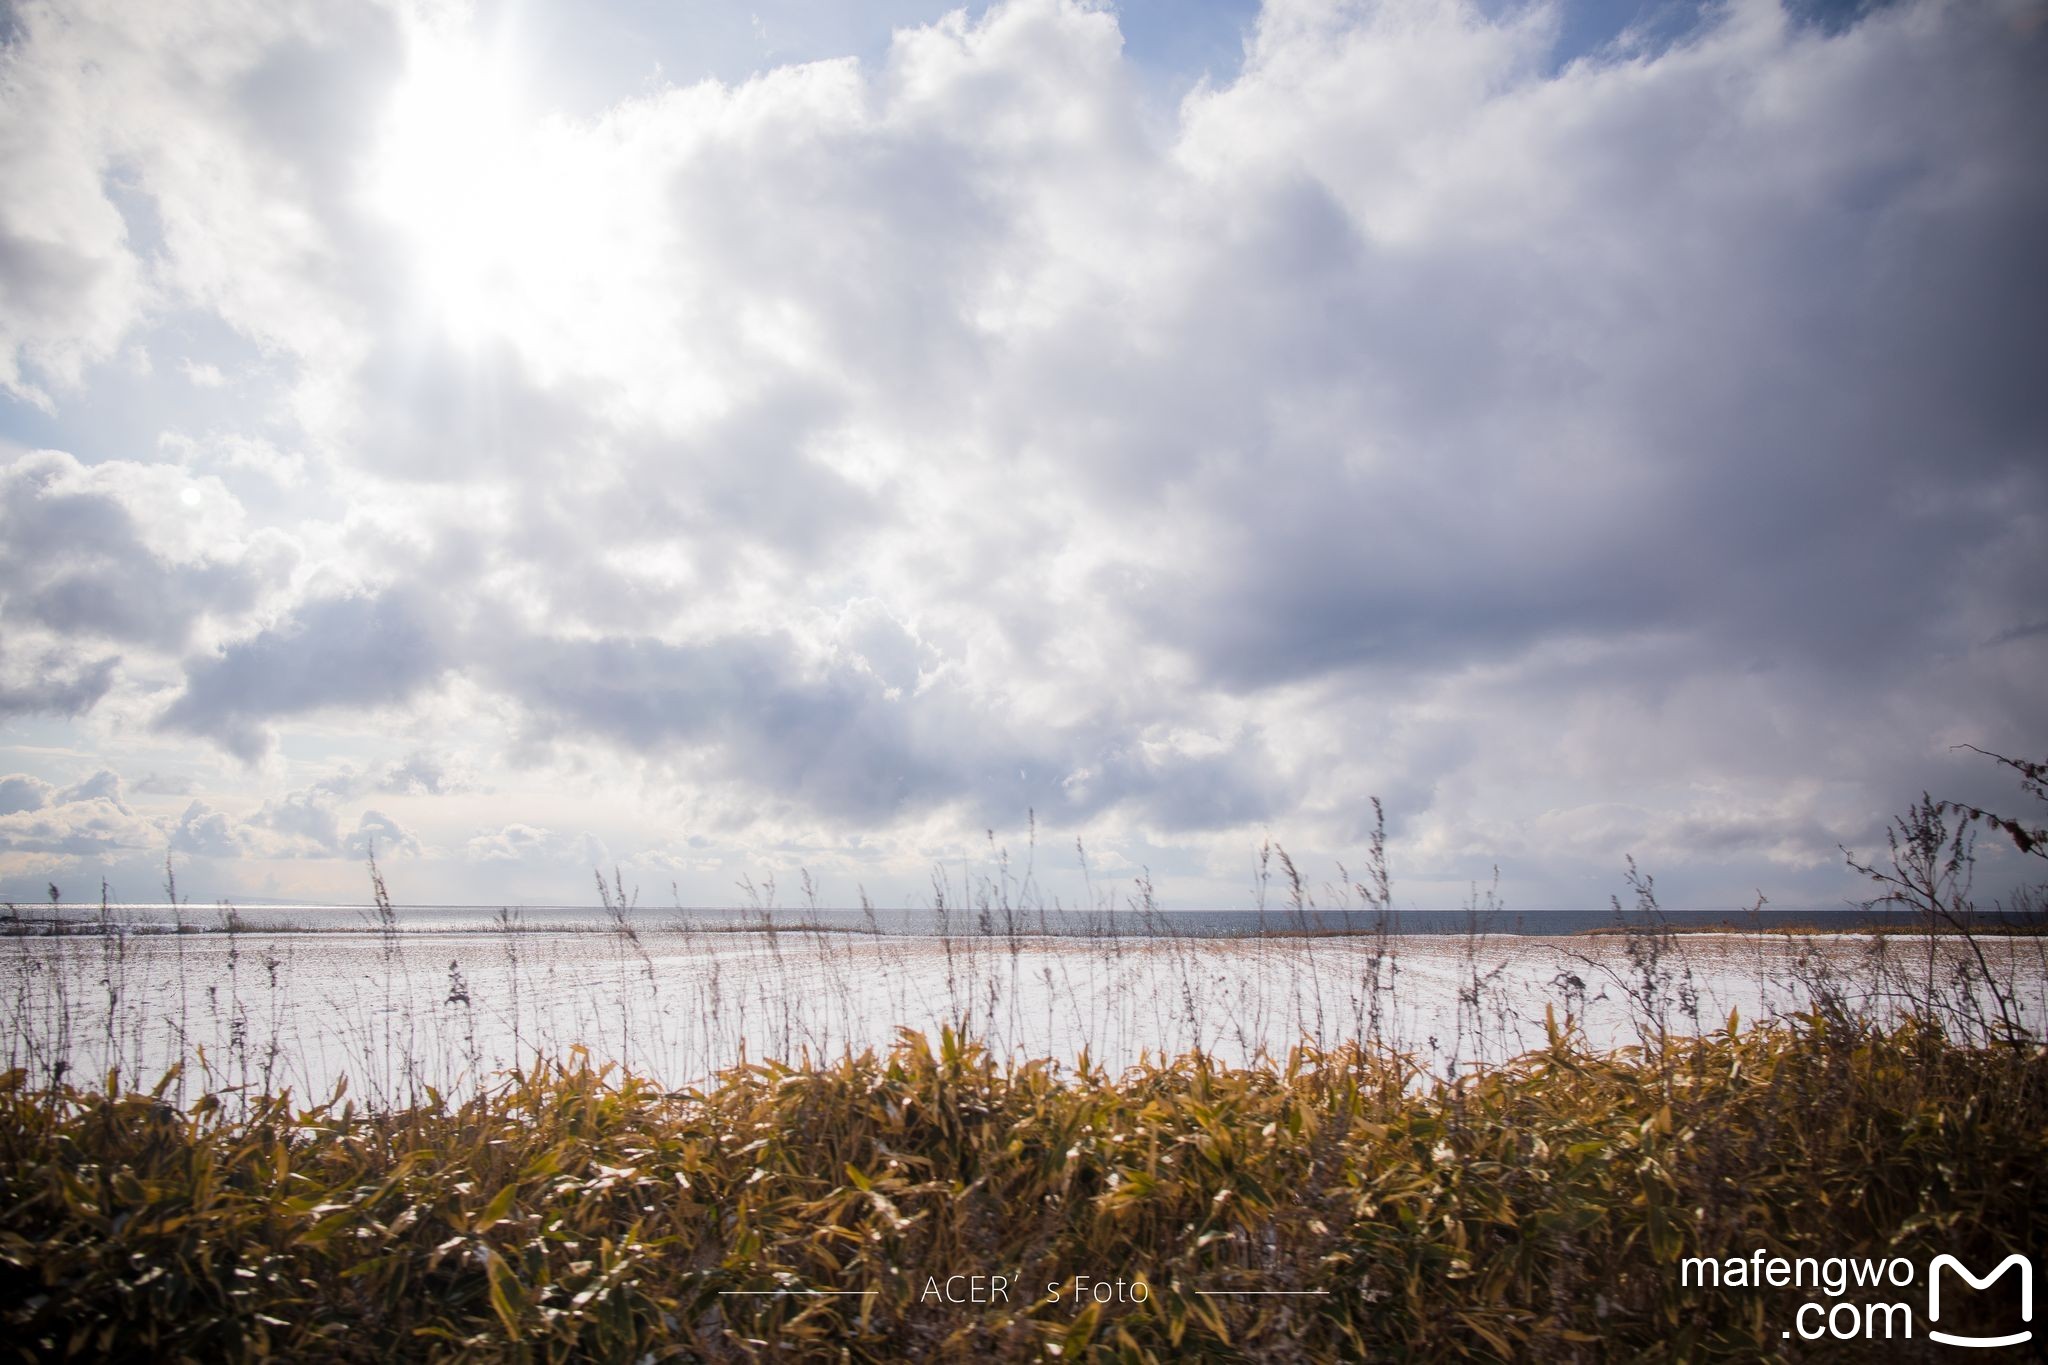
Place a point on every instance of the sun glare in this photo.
(452, 175)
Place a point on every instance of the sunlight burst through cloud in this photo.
(453, 171)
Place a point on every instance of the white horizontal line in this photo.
(1218, 1293)
(727, 1293)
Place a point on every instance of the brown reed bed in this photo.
(1536, 1210)
(1346, 1198)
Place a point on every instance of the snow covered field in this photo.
(396, 1012)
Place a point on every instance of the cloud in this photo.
(837, 737)
(70, 286)
(204, 832)
(377, 834)
(21, 792)
(234, 452)
(132, 162)
(52, 685)
(86, 819)
(308, 823)
(1574, 447)
(883, 645)
(113, 552)
(104, 785)
(822, 736)
(846, 727)
(1539, 396)
(424, 774)
(522, 844)
(353, 652)
(203, 374)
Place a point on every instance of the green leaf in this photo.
(507, 1300)
(495, 1211)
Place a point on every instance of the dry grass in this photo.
(1531, 1211)
(1345, 1200)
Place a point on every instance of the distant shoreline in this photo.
(47, 927)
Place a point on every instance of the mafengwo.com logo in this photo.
(2016, 1262)
(1846, 1305)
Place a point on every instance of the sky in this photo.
(725, 441)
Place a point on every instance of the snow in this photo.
(395, 1013)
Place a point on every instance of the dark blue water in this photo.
(994, 922)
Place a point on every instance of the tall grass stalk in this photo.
(650, 1138)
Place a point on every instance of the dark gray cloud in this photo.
(848, 741)
(1185, 793)
(849, 736)
(76, 561)
(1798, 433)
(826, 737)
(53, 685)
(20, 792)
(337, 652)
